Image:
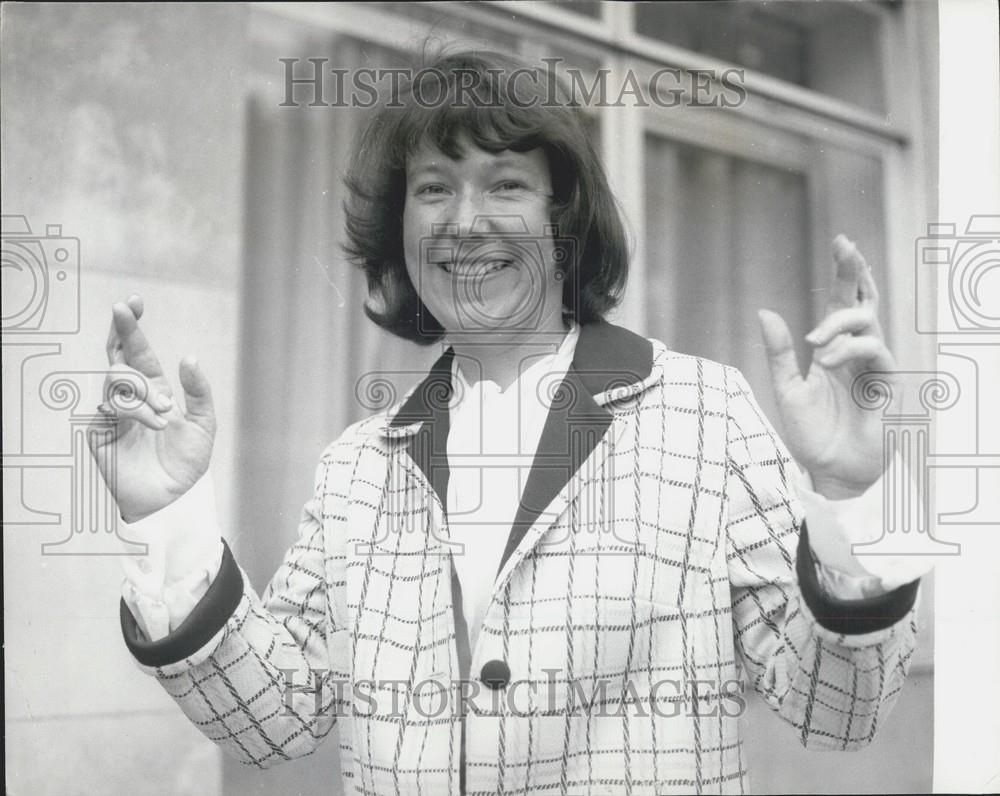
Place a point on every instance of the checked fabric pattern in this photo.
(655, 586)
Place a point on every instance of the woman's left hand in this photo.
(827, 432)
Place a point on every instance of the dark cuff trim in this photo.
(849, 617)
(206, 619)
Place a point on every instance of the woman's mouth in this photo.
(477, 269)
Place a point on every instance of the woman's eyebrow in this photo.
(426, 168)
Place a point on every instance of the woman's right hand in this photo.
(156, 450)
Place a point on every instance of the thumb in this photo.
(197, 394)
(780, 349)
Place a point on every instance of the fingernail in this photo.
(160, 422)
(812, 337)
(164, 402)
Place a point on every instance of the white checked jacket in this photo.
(657, 563)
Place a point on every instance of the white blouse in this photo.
(492, 438)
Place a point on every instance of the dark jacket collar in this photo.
(609, 362)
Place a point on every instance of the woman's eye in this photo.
(430, 190)
(511, 185)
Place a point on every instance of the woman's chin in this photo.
(485, 320)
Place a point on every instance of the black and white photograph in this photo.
(501, 397)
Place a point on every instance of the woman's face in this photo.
(477, 239)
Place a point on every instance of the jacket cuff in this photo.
(206, 619)
(849, 617)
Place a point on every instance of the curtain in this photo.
(306, 344)
(305, 340)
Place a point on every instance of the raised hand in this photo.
(157, 450)
(827, 432)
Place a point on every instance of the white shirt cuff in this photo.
(835, 526)
(184, 553)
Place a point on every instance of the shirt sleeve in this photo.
(183, 555)
(835, 526)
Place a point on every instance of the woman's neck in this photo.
(498, 356)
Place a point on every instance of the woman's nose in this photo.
(465, 214)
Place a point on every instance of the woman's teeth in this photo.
(475, 269)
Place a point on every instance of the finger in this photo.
(135, 347)
(869, 351)
(129, 396)
(124, 386)
(197, 394)
(867, 289)
(114, 344)
(780, 349)
(848, 265)
(855, 320)
(143, 413)
(136, 304)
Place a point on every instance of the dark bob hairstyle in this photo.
(501, 103)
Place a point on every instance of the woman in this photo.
(556, 562)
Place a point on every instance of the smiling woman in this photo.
(560, 509)
(466, 225)
(484, 163)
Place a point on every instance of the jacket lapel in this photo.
(428, 443)
(608, 361)
(573, 427)
(607, 358)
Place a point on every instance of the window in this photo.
(830, 47)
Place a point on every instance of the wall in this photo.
(124, 124)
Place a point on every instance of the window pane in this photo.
(831, 47)
(724, 237)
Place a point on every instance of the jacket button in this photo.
(496, 674)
